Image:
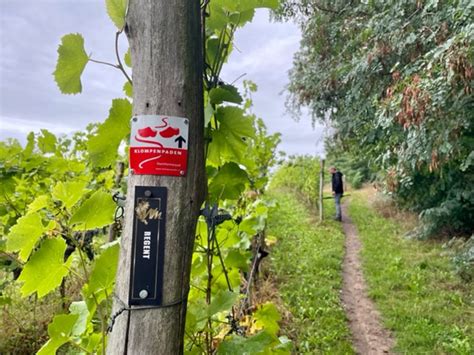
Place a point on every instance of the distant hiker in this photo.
(337, 190)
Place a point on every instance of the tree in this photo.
(166, 52)
(396, 80)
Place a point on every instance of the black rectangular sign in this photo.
(148, 245)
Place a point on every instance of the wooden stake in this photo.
(321, 187)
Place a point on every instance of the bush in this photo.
(300, 174)
(463, 256)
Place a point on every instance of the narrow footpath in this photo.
(368, 334)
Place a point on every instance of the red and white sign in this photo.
(159, 145)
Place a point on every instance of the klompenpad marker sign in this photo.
(159, 145)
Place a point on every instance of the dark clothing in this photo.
(337, 199)
(337, 186)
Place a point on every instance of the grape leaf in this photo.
(24, 235)
(228, 183)
(227, 93)
(267, 317)
(58, 165)
(227, 5)
(79, 308)
(128, 58)
(104, 145)
(238, 259)
(47, 141)
(46, 268)
(30, 146)
(228, 141)
(218, 19)
(102, 278)
(38, 203)
(245, 5)
(212, 50)
(117, 9)
(69, 193)
(72, 60)
(95, 212)
(241, 18)
(59, 331)
(128, 89)
(208, 113)
(222, 301)
(94, 345)
(246, 346)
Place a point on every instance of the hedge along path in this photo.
(369, 335)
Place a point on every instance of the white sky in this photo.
(30, 31)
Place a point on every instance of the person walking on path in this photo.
(337, 190)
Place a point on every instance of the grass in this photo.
(307, 260)
(429, 308)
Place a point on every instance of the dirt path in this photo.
(369, 336)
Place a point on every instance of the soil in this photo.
(368, 334)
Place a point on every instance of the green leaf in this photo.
(128, 58)
(95, 212)
(228, 141)
(254, 4)
(238, 259)
(128, 89)
(59, 331)
(47, 141)
(38, 203)
(117, 9)
(246, 346)
(72, 60)
(222, 301)
(212, 50)
(225, 93)
(30, 146)
(102, 278)
(58, 165)
(208, 113)
(69, 193)
(226, 5)
(228, 183)
(104, 145)
(80, 309)
(93, 343)
(267, 317)
(218, 19)
(243, 17)
(24, 235)
(46, 268)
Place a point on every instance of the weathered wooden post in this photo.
(166, 50)
(321, 187)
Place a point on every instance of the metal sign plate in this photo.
(148, 244)
(159, 145)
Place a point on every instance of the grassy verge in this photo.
(427, 306)
(307, 262)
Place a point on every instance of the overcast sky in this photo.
(30, 31)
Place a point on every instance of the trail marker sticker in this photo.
(159, 145)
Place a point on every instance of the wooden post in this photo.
(321, 187)
(166, 49)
